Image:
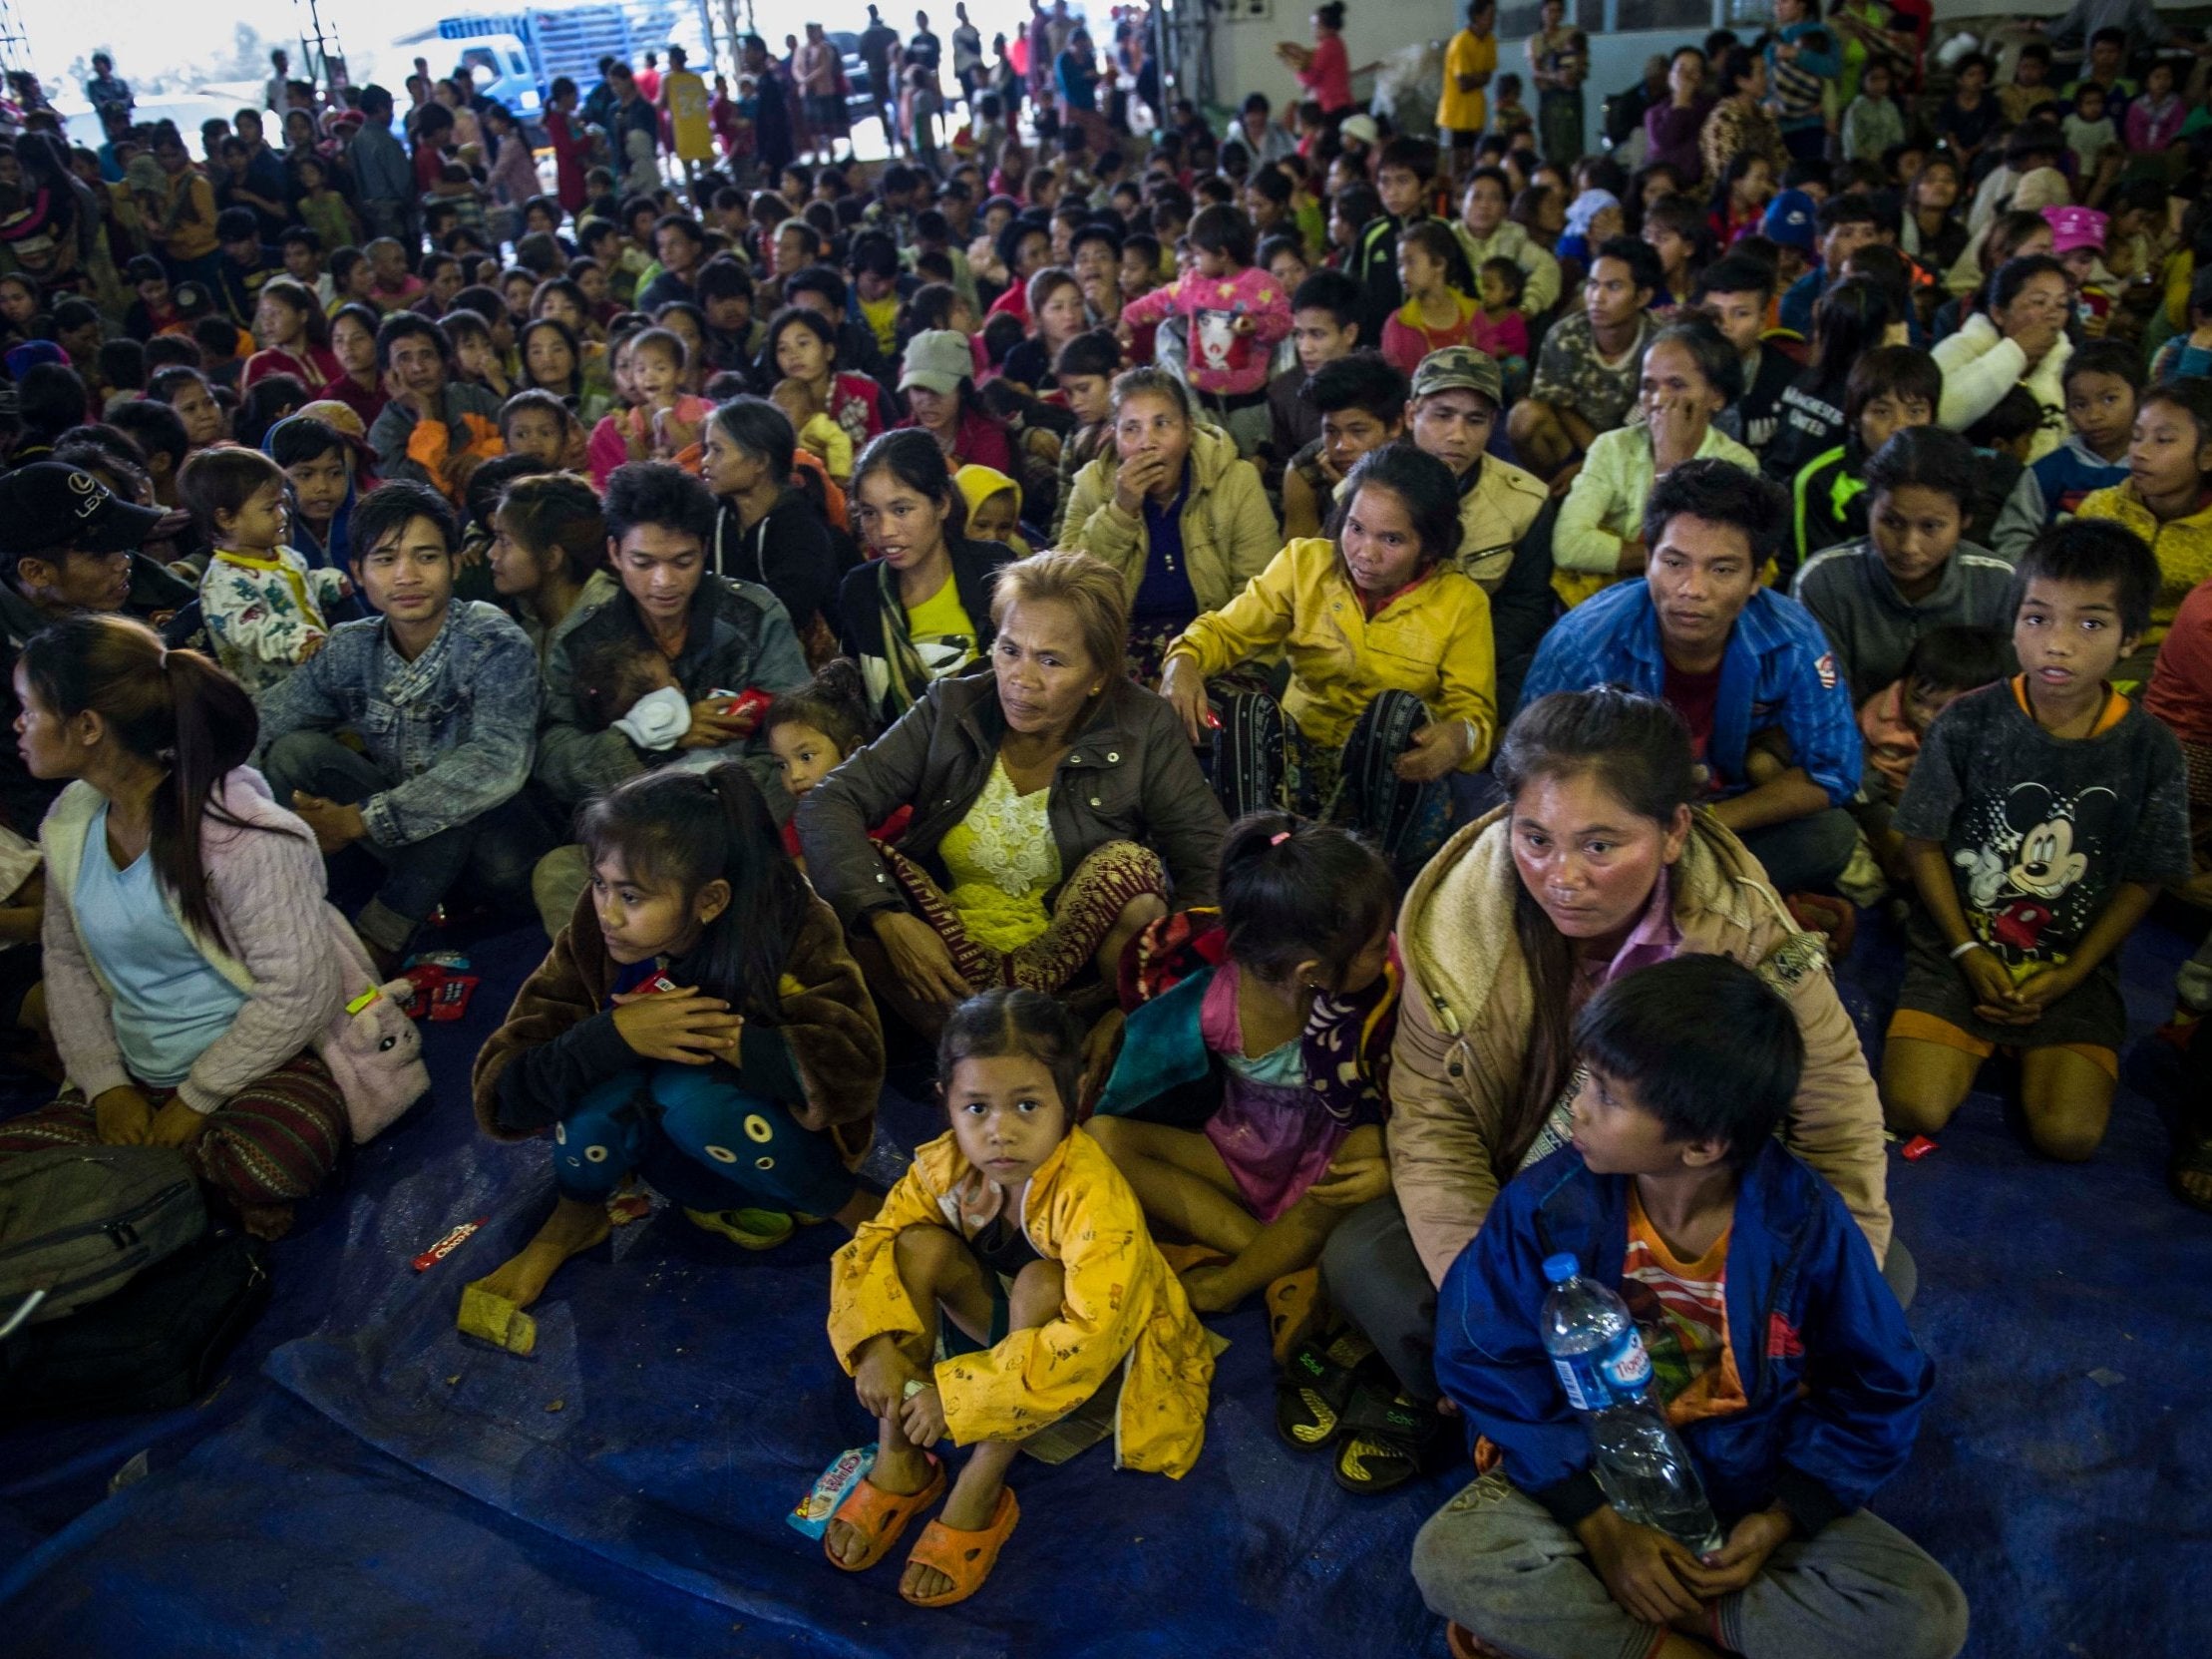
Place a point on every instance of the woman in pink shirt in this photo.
(1324, 68)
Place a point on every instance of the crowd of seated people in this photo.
(1349, 683)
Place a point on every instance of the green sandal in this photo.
(1387, 1440)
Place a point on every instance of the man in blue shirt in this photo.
(1747, 669)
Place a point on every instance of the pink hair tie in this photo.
(1279, 836)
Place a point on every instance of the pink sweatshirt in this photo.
(262, 880)
(1224, 364)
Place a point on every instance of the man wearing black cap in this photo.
(65, 545)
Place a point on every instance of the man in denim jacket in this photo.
(442, 697)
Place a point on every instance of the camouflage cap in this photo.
(1457, 367)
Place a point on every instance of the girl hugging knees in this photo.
(1016, 1228)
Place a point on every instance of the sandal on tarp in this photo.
(965, 1557)
(881, 1517)
(1315, 1385)
(747, 1229)
(1386, 1440)
(2190, 1158)
(490, 1317)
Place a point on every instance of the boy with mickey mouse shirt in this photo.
(2043, 816)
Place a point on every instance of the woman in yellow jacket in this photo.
(1174, 508)
(1393, 682)
(1018, 1227)
(2165, 500)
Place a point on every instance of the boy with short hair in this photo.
(1085, 370)
(1737, 292)
(2031, 89)
(535, 423)
(1775, 1349)
(318, 461)
(2102, 381)
(1890, 388)
(1406, 179)
(2042, 819)
(1324, 326)
(1359, 401)
(244, 264)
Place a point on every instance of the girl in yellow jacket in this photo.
(1393, 684)
(1018, 1227)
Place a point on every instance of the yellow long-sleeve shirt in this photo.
(1432, 639)
(1121, 1307)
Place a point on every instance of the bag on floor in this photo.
(155, 1345)
(80, 1222)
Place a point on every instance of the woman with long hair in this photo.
(767, 528)
(183, 991)
(293, 334)
(1597, 864)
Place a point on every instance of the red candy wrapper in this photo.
(448, 1245)
(426, 978)
(655, 986)
(1917, 1149)
(449, 1002)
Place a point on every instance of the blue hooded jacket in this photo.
(1833, 1379)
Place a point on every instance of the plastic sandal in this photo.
(747, 1229)
(1292, 1301)
(1315, 1385)
(1386, 1440)
(496, 1320)
(965, 1557)
(882, 1515)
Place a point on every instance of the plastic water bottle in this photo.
(1640, 1462)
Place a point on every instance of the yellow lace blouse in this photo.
(1002, 862)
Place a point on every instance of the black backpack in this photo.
(155, 1345)
(78, 1222)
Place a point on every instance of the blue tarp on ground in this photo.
(365, 1482)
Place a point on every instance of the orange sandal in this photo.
(882, 1517)
(965, 1557)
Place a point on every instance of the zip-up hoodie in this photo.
(1834, 1383)
(1464, 1024)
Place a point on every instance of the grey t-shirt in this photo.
(2039, 832)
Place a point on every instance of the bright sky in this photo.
(148, 35)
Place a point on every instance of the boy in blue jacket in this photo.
(1776, 1350)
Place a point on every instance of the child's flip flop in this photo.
(494, 1318)
(881, 1517)
(965, 1557)
(747, 1229)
